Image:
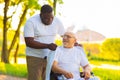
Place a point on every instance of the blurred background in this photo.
(96, 24)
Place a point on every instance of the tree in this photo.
(26, 5)
(111, 48)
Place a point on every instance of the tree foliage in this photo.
(111, 48)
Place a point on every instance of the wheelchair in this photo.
(56, 76)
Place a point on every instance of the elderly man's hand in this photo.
(87, 71)
(68, 75)
(87, 75)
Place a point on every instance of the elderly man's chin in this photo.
(66, 45)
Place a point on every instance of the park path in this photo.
(7, 77)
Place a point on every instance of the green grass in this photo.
(19, 70)
(98, 62)
(107, 74)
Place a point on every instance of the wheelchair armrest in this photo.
(82, 74)
(54, 76)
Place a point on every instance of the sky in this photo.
(102, 16)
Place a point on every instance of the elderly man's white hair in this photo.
(71, 33)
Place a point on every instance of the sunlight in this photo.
(19, 61)
(16, 17)
(106, 66)
(98, 15)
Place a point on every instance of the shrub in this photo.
(110, 49)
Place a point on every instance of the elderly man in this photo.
(68, 59)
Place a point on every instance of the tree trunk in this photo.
(4, 57)
(17, 48)
(16, 52)
(54, 6)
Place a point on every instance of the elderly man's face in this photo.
(68, 40)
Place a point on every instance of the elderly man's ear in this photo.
(76, 44)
